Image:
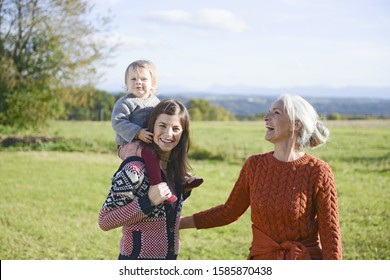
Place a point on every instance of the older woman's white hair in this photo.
(313, 132)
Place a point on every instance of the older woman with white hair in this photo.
(292, 194)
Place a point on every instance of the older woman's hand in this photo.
(159, 193)
(187, 222)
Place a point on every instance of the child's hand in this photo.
(145, 136)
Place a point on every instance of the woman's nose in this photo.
(266, 116)
(170, 131)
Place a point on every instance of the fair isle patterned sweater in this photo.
(290, 201)
(149, 232)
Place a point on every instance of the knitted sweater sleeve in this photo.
(120, 120)
(127, 202)
(236, 204)
(328, 215)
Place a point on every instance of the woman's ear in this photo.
(297, 125)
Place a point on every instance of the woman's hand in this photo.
(187, 222)
(159, 193)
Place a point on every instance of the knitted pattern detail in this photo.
(149, 232)
(290, 201)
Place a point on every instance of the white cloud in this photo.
(171, 16)
(109, 40)
(288, 18)
(122, 40)
(280, 43)
(205, 18)
(139, 42)
(223, 19)
(118, 39)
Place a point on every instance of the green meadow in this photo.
(51, 192)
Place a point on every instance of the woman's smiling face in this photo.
(167, 132)
(278, 124)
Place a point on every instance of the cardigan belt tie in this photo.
(287, 250)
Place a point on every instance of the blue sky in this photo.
(209, 45)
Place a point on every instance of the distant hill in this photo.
(245, 105)
(307, 91)
(248, 101)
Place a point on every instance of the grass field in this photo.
(51, 194)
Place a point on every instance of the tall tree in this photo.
(46, 46)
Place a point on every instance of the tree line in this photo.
(97, 105)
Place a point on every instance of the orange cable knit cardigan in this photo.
(293, 204)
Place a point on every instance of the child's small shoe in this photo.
(196, 182)
(170, 200)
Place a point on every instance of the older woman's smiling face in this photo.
(167, 132)
(278, 124)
